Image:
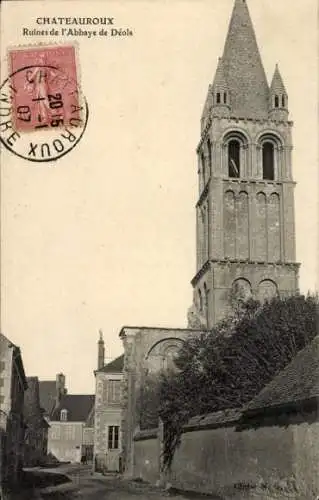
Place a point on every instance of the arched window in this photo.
(209, 147)
(225, 97)
(283, 101)
(64, 415)
(268, 161)
(234, 159)
(276, 101)
(218, 97)
(202, 157)
(200, 301)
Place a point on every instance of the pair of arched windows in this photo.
(277, 101)
(234, 160)
(221, 96)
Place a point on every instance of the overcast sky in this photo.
(106, 237)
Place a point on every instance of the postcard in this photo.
(159, 160)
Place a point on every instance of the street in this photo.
(85, 486)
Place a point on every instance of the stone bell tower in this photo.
(245, 207)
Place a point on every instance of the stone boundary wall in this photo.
(272, 458)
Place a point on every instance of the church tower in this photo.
(245, 207)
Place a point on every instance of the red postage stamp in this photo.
(46, 79)
(40, 94)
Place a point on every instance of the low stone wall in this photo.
(275, 458)
(147, 456)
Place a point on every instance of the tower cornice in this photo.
(228, 262)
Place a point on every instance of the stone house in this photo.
(108, 412)
(13, 385)
(71, 428)
(36, 433)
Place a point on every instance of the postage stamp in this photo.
(43, 113)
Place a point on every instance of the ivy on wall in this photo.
(227, 366)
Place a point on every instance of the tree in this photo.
(227, 366)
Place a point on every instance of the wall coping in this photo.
(224, 418)
(146, 434)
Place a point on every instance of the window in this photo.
(209, 147)
(64, 415)
(283, 101)
(225, 97)
(268, 161)
(69, 432)
(218, 97)
(55, 432)
(200, 300)
(114, 391)
(202, 158)
(276, 101)
(234, 159)
(113, 437)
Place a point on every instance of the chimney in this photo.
(100, 352)
(60, 387)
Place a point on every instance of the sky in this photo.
(106, 236)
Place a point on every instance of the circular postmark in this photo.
(43, 113)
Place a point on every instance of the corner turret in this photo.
(278, 100)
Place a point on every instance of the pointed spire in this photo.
(278, 99)
(220, 82)
(277, 84)
(220, 92)
(243, 68)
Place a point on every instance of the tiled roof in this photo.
(243, 68)
(298, 382)
(115, 366)
(78, 407)
(47, 392)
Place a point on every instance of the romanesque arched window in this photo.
(276, 101)
(268, 160)
(209, 148)
(200, 301)
(241, 291)
(205, 298)
(269, 156)
(234, 158)
(267, 289)
(203, 165)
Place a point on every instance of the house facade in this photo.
(108, 413)
(13, 384)
(71, 428)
